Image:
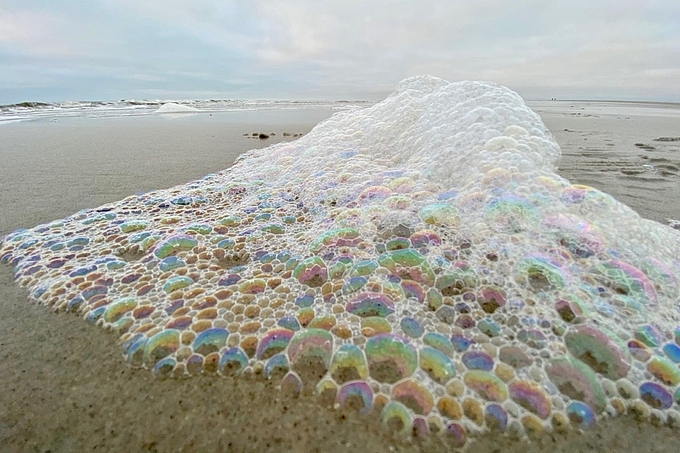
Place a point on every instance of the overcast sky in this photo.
(57, 50)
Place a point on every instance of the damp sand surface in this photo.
(629, 150)
(64, 384)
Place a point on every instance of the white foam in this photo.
(173, 107)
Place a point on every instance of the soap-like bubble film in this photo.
(418, 261)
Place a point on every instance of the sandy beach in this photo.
(65, 385)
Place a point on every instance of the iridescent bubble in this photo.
(496, 417)
(489, 327)
(661, 275)
(174, 245)
(398, 202)
(363, 268)
(576, 380)
(311, 271)
(273, 342)
(133, 349)
(425, 238)
(576, 193)
(575, 234)
(138, 237)
(230, 221)
(439, 341)
(348, 364)
(624, 278)
(598, 350)
(253, 286)
(402, 184)
(210, 340)
(170, 263)
(289, 322)
(354, 284)
(478, 360)
(411, 327)
(338, 266)
(356, 395)
(541, 273)
(374, 325)
(533, 338)
(292, 384)
(408, 264)
(649, 335)
(656, 395)
(310, 353)
(95, 314)
(371, 304)
(491, 298)
(421, 427)
(440, 214)
(194, 364)
(118, 308)
(672, 351)
(390, 358)
(413, 290)
(531, 396)
(80, 272)
(277, 365)
(226, 244)
(133, 225)
(93, 291)
(580, 414)
(304, 301)
(273, 228)
(664, 370)
(487, 385)
(512, 214)
(456, 432)
(414, 396)
(374, 194)
(457, 280)
(342, 237)
(571, 310)
(638, 350)
(437, 365)
(177, 282)
(397, 419)
(159, 346)
(232, 362)
(164, 367)
(201, 228)
(114, 265)
(461, 343)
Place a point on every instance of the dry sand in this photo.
(64, 384)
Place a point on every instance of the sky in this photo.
(61, 50)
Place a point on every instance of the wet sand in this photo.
(621, 148)
(65, 386)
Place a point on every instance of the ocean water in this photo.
(28, 111)
(420, 260)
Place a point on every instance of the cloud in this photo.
(41, 34)
(327, 48)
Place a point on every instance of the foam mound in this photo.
(418, 261)
(173, 107)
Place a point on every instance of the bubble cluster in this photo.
(419, 261)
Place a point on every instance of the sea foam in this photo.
(419, 260)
